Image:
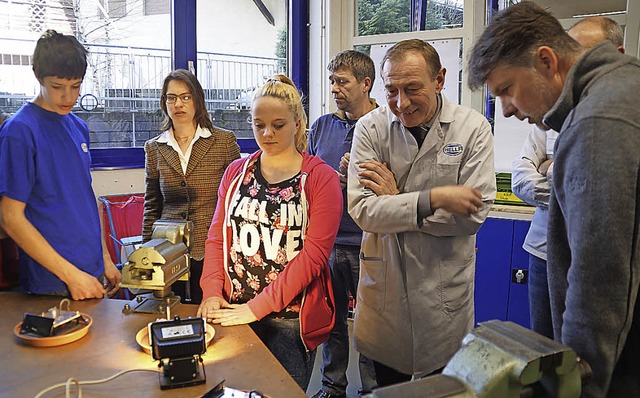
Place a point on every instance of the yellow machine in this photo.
(156, 265)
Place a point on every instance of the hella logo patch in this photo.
(452, 149)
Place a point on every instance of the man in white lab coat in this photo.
(417, 265)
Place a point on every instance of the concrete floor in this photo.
(353, 375)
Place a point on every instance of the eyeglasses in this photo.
(172, 98)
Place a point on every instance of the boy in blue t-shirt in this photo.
(47, 205)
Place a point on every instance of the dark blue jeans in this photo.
(282, 338)
(539, 307)
(345, 268)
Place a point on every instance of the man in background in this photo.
(352, 76)
(532, 177)
(590, 96)
(419, 216)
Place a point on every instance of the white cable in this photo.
(67, 384)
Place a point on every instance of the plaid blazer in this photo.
(174, 195)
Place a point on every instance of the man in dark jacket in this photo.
(543, 75)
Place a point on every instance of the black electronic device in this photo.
(53, 322)
(178, 344)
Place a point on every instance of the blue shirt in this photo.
(45, 163)
(330, 137)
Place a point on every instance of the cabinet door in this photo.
(518, 310)
(493, 260)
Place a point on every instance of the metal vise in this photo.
(157, 264)
(501, 360)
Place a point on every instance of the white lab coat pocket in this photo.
(372, 284)
(456, 283)
(447, 169)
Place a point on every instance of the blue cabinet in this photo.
(502, 266)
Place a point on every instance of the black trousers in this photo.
(179, 288)
(386, 376)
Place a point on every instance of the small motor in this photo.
(53, 322)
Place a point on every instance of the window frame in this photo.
(184, 48)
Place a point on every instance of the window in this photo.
(376, 17)
(383, 16)
(382, 23)
(236, 58)
(128, 58)
(130, 54)
(155, 7)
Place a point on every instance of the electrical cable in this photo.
(67, 384)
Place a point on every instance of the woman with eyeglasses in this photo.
(184, 166)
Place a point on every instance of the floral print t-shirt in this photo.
(266, 222)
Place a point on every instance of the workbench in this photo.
(236, 355)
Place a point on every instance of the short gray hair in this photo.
(358, 63)
(611, 29)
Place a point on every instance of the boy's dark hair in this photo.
(201, 116)
(358, 63)
(512, 38)
(59, 55)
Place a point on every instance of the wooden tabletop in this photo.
(235, 355)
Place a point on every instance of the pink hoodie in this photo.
(307, 272)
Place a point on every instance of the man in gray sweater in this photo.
(532, 175)
(543, 75)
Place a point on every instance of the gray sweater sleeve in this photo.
(593, 267)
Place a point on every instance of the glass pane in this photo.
(236, 58)
(376, 17)
(129, 54)
(394, 16)
(443, 14)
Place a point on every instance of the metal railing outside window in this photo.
(119, 98)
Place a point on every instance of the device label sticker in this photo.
(177, 331)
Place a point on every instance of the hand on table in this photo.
(218, 310)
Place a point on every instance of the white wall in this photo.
(113, 182)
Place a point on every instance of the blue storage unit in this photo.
(518, 306)
(493, 259)
(502, 267)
